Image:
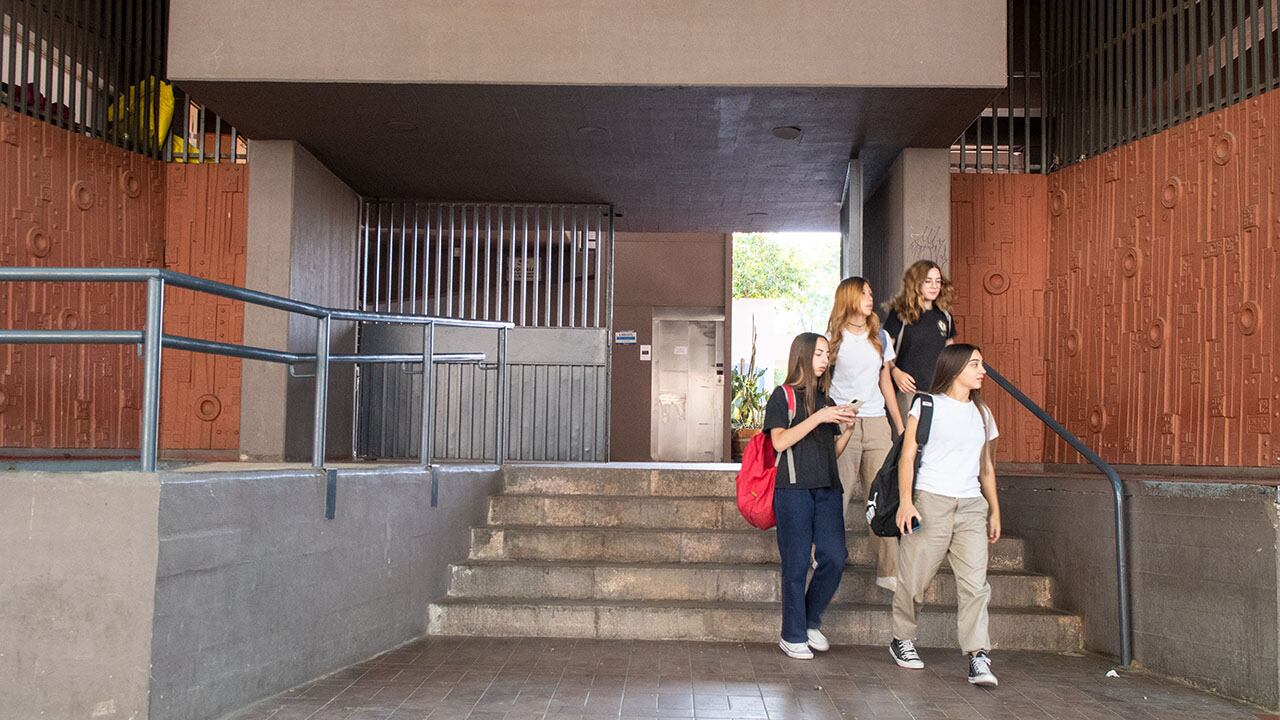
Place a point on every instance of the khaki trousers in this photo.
(904, 404)
(858, 465)
(954, 528)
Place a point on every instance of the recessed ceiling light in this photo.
(787, 132)
(401, 126)
(592, 130)
(757, 214)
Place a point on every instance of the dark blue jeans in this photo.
(808, 518)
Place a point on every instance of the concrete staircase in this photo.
(662, 553)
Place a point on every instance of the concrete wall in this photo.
(660, 270)
(257, 592)
(303, 223)
(943, 43)
(1204, 571)
(77, 580)
(908, 218)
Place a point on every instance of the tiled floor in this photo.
(527, 679)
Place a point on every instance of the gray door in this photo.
(688, 393)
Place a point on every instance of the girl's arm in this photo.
(890, 398)
(784, 438)
(987, 479)
(906, 474)
(843, 441)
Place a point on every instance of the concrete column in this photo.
(851, 235)
(303, 225)
(908, 218)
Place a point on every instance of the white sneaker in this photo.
(888, 583)
(799, 651)
(818, 641)
(980, 670)
(904, 653)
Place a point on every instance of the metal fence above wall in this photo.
(533, 265)
(97, 67)
(1086, 77)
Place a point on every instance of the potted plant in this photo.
(746, 411)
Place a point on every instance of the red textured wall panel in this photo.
(1162, 283)
(72, 201)
(206, 228)
(999, 262)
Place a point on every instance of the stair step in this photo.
(657, 545)
(698, 512)
(612, 481)
(705, 581)
(1021, 629)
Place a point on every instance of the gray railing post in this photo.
(152, 344)
(1117, 492)
(500, 442)
(427, 440)
(322, 392)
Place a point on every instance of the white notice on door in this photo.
(680, 350)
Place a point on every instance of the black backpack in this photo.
(882, 502)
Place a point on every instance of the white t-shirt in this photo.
(856, 375)
(951, 458)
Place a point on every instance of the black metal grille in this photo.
(1086, 76)
(97, 67)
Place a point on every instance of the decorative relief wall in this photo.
(1161, 294)
(205, 235)
(999, 262)
(68, 200)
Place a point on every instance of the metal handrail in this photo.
(1117, 491)
(153, 339)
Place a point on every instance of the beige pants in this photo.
(858, 465)
(954, 528)
(904, 404)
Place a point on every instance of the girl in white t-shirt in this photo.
(861, 353)
(952, 511)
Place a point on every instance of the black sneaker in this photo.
(904, 653)
(980, 670)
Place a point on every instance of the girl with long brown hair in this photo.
(948, 508)
(861, 353)
(807, 505)
(920, 325)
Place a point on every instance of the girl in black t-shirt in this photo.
(808, 504)
(920, 326)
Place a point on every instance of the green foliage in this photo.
(747, 408)
(763, 268)
(802, 277)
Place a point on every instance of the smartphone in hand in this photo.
(855, 404)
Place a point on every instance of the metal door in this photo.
(688, 415)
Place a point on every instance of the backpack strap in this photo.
(791, 416)
(951, 327)
(902, 328)
(925, 422)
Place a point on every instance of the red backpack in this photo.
(759, 473)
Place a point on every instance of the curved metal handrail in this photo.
(1117, 491)
(153, 339)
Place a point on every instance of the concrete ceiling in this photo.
(669, 158)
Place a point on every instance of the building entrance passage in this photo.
(687, 408)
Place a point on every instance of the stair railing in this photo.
(1117, 492)
(152, 339)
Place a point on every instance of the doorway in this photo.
(688, 408)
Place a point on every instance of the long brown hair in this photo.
(800, 369)
(951, 362)
(846, 307)
(910, 303)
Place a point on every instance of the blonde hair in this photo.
(847, 305)
(910, 304)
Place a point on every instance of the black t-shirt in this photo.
(922, 343)
(815, 454)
